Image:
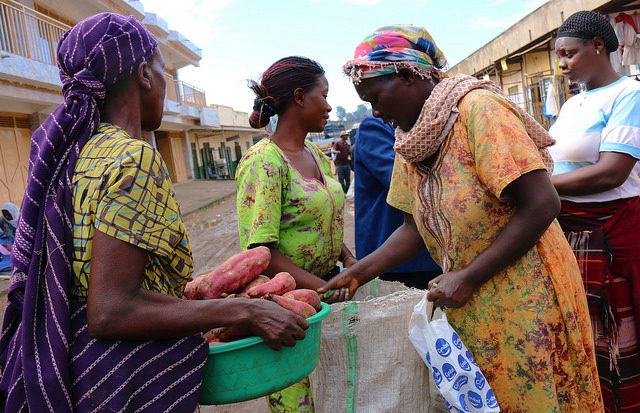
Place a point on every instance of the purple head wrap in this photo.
(42, 331)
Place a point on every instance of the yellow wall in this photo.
(512, 83)
(180, 166)
(537, 62)
(170, 145)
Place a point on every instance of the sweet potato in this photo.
(259, 280)
(280, 284)
(191, 289)
(301, 308)
(306, 296)
(234, 273)
(226, 334)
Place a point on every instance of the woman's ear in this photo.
(143, 75)
(407, 75)
(298, 96)
(598, 43)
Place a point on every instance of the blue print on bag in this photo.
(479, 381)
(437, 377)
(470, 357)
(464, 365)
(475, 399)
(456, 341)
(428, 358)
(463, 403)
(442, 347)
(491, 399)
(449, 371)
(460, 381)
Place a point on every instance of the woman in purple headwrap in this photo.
(94, 320)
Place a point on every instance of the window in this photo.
(515, 95)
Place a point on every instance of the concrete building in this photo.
(215, 152)
(30, 84)
(522, 60)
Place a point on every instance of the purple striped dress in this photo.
(48, 360)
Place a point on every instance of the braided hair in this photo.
(277, 84)
(587, 25)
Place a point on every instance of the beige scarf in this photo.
(440, 112)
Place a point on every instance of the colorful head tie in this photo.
(390, 48)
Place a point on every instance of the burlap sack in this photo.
(367, 363)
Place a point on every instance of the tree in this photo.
(340, 112)
(362, 112)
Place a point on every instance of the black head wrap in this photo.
(587, 25)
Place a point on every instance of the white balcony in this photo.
(156, 25)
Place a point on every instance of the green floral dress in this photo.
(301, 216)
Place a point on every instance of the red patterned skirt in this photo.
(605, 238)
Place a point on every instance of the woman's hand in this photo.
(277, 326)
(344, 285)
(452, 289)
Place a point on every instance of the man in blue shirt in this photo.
(375, 220)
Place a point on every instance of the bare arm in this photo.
(404, 244)
(279, 263)
(304, 279)
(119, 308)
(346, 257)
(611, 170)
(536, 206)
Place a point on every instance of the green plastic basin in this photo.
(248, 368)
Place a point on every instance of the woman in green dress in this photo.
(287, 198)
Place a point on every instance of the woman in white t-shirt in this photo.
(598, 178)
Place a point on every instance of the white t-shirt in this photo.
(605, 119)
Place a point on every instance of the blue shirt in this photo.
(375, 220)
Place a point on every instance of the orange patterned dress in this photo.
(528, 327)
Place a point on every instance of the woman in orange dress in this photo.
(471, 177)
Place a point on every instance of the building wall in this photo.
(225, 154)
(30, 83)
(531, 28)
(15, 141)
(170, 145)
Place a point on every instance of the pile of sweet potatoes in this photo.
(240, 276)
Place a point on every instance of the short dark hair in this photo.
(277, 84)
(587, 25)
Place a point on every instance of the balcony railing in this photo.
(192, 96)
(184, 93)
(28, 33)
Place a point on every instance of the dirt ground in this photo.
(213, 232)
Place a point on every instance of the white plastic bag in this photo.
(455, 373)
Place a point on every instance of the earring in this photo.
(597, 51)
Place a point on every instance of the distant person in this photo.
(375, 219)
(342, 150)
(9, 220)
(597, 176)
(287, 197)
